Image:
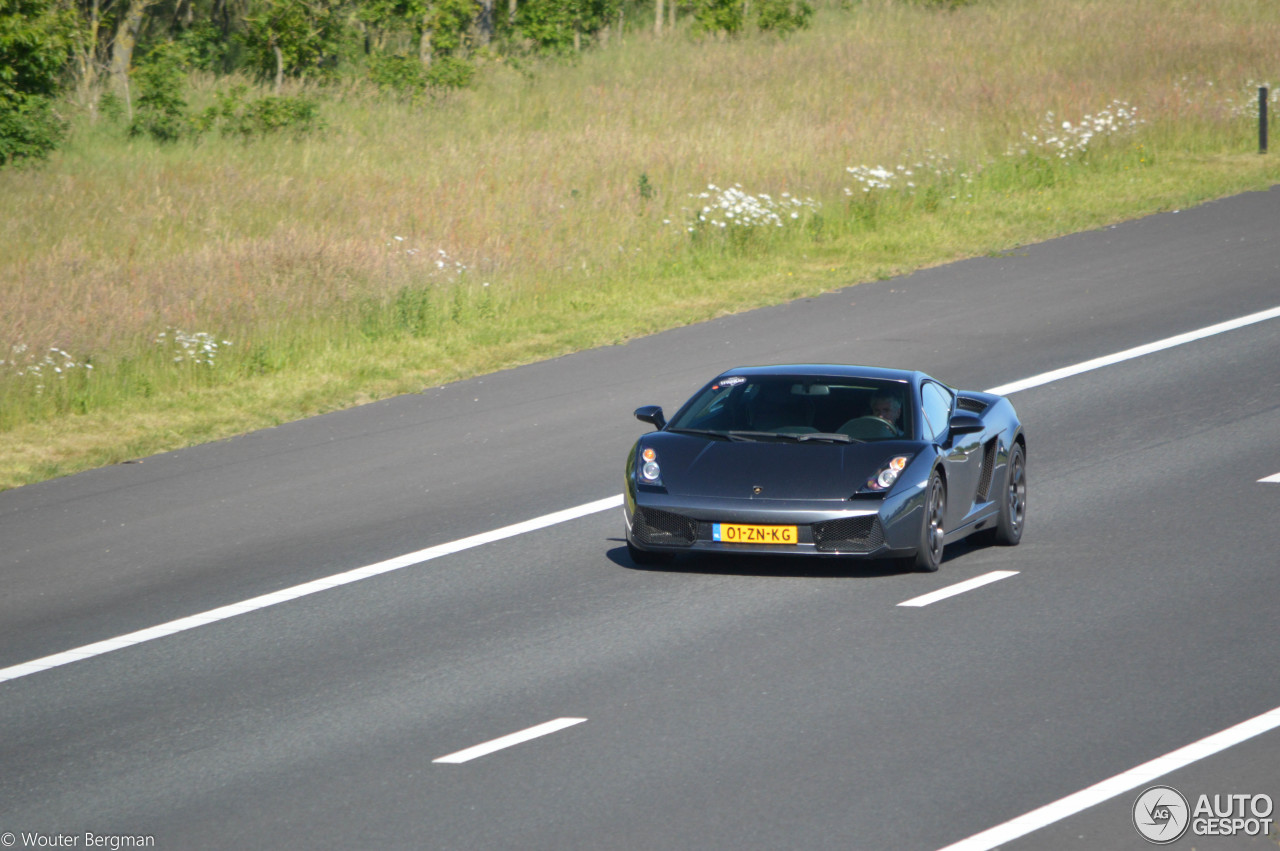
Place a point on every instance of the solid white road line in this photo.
(959, 588)
(1118, 785)
(498, 744)
(1137, 352)
(1273, 479)
(181, 625)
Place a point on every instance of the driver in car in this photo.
(887, 408)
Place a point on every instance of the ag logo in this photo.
(1161, 815)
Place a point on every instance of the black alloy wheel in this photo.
(1013, 505)
(932, 531)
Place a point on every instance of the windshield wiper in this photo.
(702, 432)
(832, 436)
(729, 435)
(755, 435)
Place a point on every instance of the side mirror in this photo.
(963, 423)
(651, 414)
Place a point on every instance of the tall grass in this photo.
(557, 206)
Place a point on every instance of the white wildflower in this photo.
(734, 206)
(1116, 118)
(198, 347)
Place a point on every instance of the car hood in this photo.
(702, 467)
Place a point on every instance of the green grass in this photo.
(548, 210)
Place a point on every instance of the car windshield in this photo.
(791, 407)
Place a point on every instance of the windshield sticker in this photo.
(733, 381)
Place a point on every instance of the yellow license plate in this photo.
(741, 533)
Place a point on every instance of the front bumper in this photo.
(871, 527)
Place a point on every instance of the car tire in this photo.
(932, 531)
(641, 557)
(1013, 500)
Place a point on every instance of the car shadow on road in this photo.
(790, 567)
(784, 566)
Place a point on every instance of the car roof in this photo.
(832, 370)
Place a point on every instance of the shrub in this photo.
(718, 16)
(29, 128)
(234, 115)
(162, 110)
(272, 114)
(403, 75)
(35, 36)
(557, 26)
(287, 38)
(783, 16)
(208, 48)
(450, 72)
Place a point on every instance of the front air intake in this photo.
(849, 535)
(651, 526)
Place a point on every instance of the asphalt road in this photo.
(729, 703)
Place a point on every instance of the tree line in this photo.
(132, 56)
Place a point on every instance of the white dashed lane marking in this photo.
(486, 748)
(959, 588)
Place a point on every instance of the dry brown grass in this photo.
(523, 181)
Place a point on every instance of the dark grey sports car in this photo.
(826, 460)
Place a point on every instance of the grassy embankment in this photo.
(534, 215)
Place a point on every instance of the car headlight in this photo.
(888, 474)
(650, 472)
